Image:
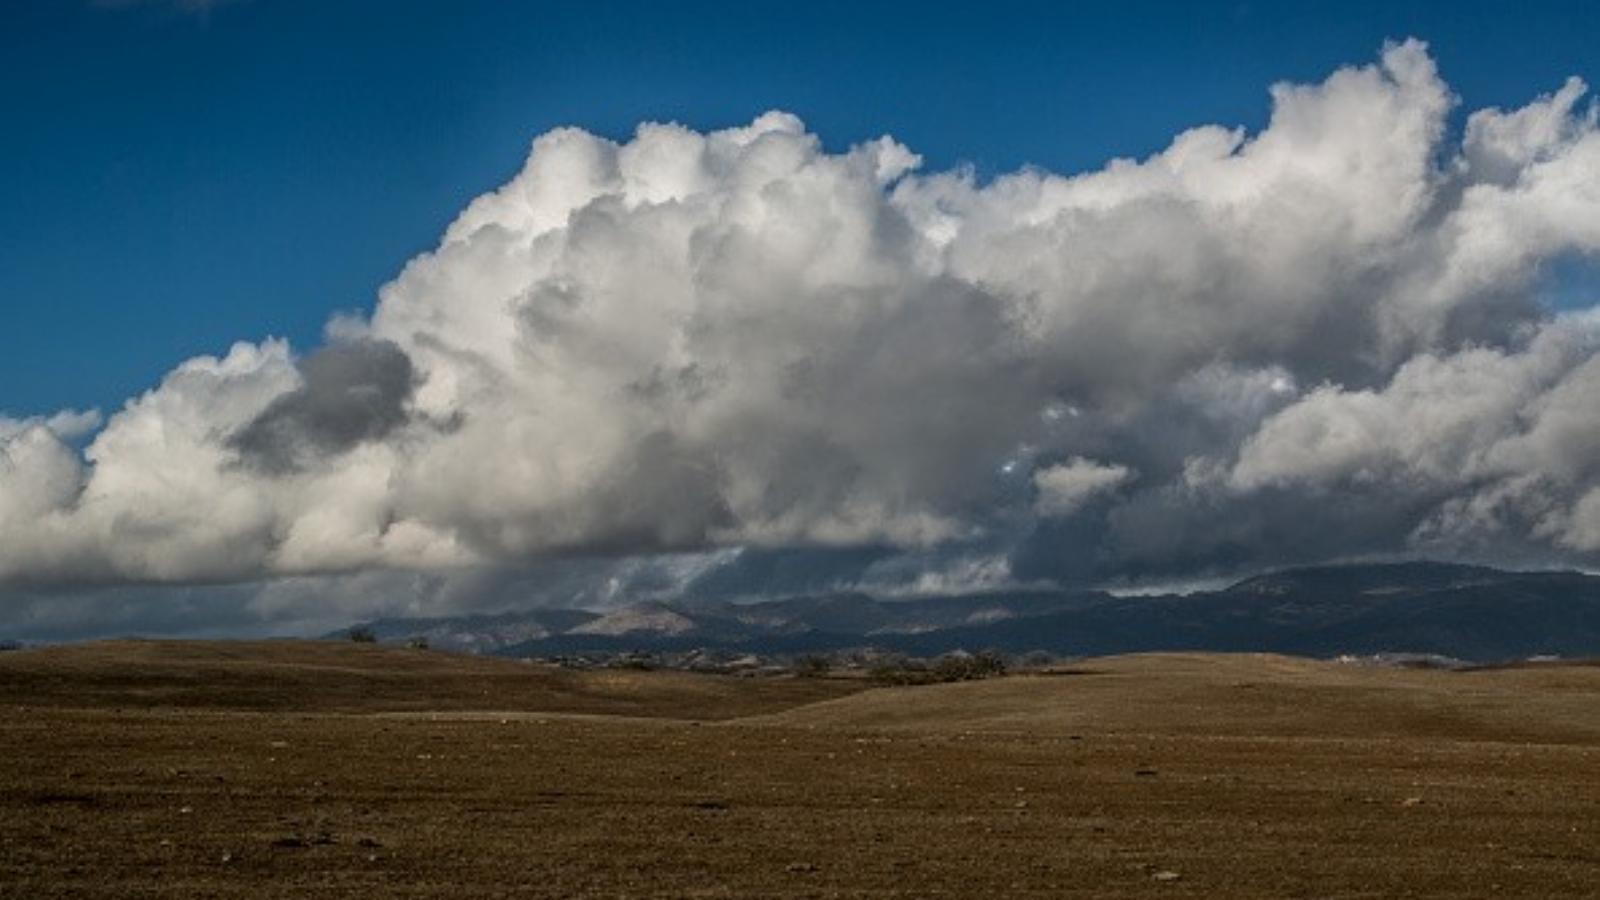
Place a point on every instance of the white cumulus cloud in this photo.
(1321, 338)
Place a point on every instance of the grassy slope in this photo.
(329, 676)
(1241, 694)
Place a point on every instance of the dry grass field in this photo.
(333, 770)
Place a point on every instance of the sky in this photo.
(906, 298)
(178, 180)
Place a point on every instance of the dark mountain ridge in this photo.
(1466, 612)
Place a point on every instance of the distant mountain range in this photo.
(1465, 612)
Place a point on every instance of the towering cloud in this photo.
(1321, 340)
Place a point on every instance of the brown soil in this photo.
(330, 770)
(333, 676)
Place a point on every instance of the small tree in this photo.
(1037, 659)
(901, 671)
(363, 634)
(960, 666)
(813, 665)
(989, 664)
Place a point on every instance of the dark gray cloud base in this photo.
(351, 392)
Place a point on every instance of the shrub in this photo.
(985, 664)
(969, 667)
(813, 665)
(363, 634)
(635, 662)
(901, 672)
(1037, 659)
(953, 667)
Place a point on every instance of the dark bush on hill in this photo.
(813, 665)
(950, 668)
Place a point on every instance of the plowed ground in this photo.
(328, 770)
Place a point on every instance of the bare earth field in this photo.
(332, 770)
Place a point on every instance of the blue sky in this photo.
(174, 181)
